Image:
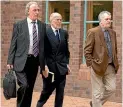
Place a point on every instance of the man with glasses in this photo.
(101, 56)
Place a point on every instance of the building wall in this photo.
(10, 12)
(117, 26)
(78, 83)
(75, 45)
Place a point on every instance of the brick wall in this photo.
(117, 26)
(14, 10)
(75, 46)
(10, 12)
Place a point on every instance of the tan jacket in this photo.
(96, 52)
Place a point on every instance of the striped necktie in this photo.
(35, 40)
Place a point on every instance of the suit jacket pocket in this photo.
(97, 66)
(20, 52)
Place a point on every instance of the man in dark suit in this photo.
(24, 54)
(57, 60)
(101, 56)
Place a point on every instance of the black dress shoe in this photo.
(91, 103)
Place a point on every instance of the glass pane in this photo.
(62, 7)
(94, 8)
(65, 26)
(99, 6)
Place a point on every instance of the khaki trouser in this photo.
(103, 86)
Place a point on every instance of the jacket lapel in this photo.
(39, 29)
(26, 30)
(102, 39)
(51, 35)
(52, 38)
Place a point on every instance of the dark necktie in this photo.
(57, 35)
(108, 43)
(35, 40)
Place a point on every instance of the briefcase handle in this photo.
(11, 71)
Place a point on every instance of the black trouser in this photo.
(49, 87)
(26, 80)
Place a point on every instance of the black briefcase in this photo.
(9, 85)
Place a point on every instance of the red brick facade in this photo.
(117, 26)
(14, 11)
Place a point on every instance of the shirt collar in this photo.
(54, 30)
(30, 21)
(103, 29)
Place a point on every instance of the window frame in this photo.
(47, 13)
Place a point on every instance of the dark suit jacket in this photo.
(96, 52)
(19, 47)
(57, 54)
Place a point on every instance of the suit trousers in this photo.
(26, 80)
(48, 88)
(103, 86)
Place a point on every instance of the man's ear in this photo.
(28, 11)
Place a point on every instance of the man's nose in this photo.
(37, 11)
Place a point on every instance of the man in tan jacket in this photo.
(101, 56)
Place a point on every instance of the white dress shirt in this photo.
(30, 27)
(54, 30)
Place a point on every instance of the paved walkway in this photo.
(68, 102)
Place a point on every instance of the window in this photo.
(93, 10)
(62, 7)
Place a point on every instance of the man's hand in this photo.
(9, 66)
(45, 73)
(69, 70)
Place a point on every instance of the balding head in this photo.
(54, 15)
(55, 20)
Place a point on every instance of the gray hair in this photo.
(53, 15)
(101, 15)
(28, 6)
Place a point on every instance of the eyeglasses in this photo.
(107, 19)
(58, 19)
